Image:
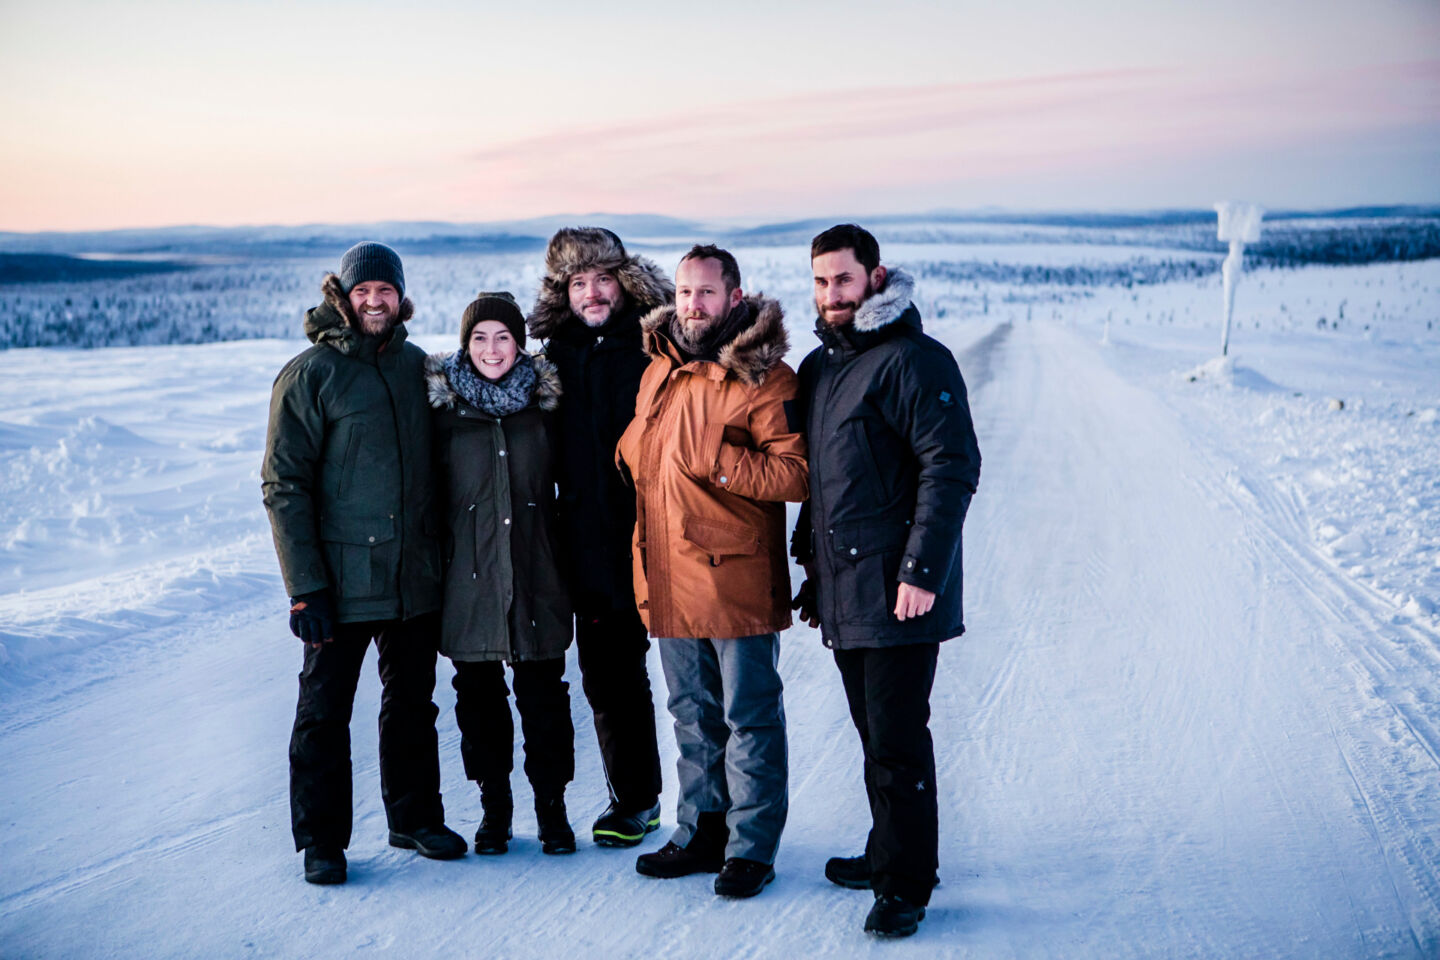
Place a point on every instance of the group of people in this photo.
(626, 483)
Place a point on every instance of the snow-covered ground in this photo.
(1195, 714)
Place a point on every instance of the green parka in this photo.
(346, 477)
(505, 598)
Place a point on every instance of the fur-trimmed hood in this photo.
(751, 355)
(575, 249)
(335, 319)
(443, 396)
(885, 307)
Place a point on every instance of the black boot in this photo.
(852, 872)
(705, 853)
(324, 864)
(618, 827)
(894, 916)
(740, 877)
(555, 833)
(494, 834)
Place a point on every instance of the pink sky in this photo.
(260, 113)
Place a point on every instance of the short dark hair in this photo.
(848, 236)
(729, 269)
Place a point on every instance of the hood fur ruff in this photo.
(339, 301)
(886, 306)
(444, 397)
(754, 352)
(593, 248)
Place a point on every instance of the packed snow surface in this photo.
(1195, 713)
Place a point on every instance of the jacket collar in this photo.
(751, 354)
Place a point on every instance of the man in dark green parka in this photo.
(347, 487)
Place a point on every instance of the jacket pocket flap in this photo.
(861, 538)
(362, 530)
(721, 539)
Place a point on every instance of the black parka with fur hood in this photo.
(504, 596)
(346, 475)
(893, 464)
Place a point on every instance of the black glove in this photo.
(806, 603)
(312, 616)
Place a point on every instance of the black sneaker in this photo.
(324, 864)
(893, 916)
(743, 878)
(437, 843)
(673, 860)
(493, 837)
(618, 828)
(555, 833)
(851, 872)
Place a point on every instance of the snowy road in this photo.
(1173, 730)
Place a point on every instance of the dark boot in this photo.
(894, 916)
(494, 834)
(705, 853)
(437, 842)
(743, 878)
(324, 864)
(617, 827)
(851, 872)
(554, 826)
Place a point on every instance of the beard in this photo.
(378, 326)
(839, 314)
(593, 320)
(694, 325)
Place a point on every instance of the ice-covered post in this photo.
(1239, 224)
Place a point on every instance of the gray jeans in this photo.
(726, 698)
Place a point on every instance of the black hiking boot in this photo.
(617, 827)
(673, 860)
(437, 842)
(324, 864)
(743, 878)
(555, 834)
(493, 837)
(851, 872)
(894, 916)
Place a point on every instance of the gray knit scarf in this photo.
(499, 398)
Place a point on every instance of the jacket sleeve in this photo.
(294, 445)
(930, 408)
(775, 468)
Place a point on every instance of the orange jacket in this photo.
(713, 455)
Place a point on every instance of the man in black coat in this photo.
(893, 464)
(588, 309)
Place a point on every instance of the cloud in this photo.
(816, 149)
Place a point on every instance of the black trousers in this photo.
(888, 690)
(487, 732)
(320, 785)
(612, 650)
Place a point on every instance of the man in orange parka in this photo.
(713, 452)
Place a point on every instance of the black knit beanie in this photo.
(493, 306)
(371, 262)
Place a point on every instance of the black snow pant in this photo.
(888, 689)
(320, 787)
(487, 732)
(612, 650)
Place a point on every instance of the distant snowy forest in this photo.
(131, 288)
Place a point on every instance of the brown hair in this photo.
(729, 269)
(848, 236)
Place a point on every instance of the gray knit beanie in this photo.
(493, 306)
(371, 262)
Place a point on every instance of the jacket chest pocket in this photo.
(867, 566)
(719, 540)
(356, 552)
